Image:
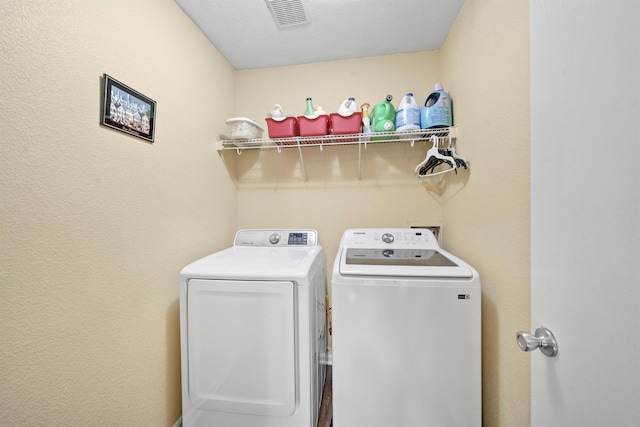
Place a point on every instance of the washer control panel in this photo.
(280, 237)
(396, 252)
(390, 238)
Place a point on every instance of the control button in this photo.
(387, 238)
(274, 238)
(388, 253)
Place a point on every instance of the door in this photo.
(585, 211)
(241, 346)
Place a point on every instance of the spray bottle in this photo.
(366, 124)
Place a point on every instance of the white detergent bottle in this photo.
(348, 107)
(408, 114)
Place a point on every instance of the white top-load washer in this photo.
(406, 332)
(252, 326)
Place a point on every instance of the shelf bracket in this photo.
(360, 161)
(304, 169)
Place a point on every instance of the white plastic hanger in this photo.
(434, 159)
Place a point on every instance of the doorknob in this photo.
(543, 339)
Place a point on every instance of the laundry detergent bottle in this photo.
(383, 116)
(348, 107)
(435, 111)
(309, 110)
(408, 114)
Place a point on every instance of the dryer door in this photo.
(241, 346)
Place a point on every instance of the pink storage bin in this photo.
(314, 127)
(286, 128)
(345, 124)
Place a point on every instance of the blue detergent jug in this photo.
(436, 109)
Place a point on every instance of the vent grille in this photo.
(287, 12)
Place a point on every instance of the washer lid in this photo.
(402, 262)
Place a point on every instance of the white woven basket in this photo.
(244, 128)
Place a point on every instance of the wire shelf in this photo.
(331, 140)
(359, 139)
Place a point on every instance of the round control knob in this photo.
(387, 238)
(388, 253)
(274, 239)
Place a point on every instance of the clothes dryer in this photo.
(252, 326)
(406, 332)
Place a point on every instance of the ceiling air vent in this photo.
(287, 12)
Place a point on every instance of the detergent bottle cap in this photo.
(410, 94)
(438, 86)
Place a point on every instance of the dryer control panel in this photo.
(278, 237)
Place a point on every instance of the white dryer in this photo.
(406, 332)
(252, 326)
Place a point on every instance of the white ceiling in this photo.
(245, 32)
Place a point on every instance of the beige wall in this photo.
(485, 64)
(95, 225)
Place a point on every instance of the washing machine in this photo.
(406, 332)
(253, 326)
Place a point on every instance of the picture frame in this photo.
(127, 110)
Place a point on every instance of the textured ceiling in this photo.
(245, 31)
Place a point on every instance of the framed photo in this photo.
(127, 110)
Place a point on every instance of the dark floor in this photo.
(325, 417)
